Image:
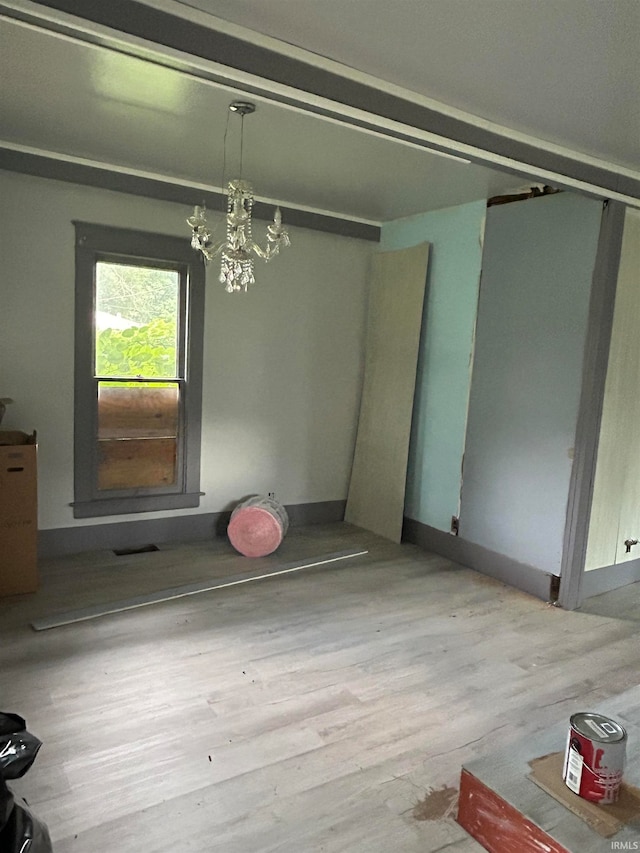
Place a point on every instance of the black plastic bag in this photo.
(23, 833)
(10, 723)
(20, 830)
(6, 805)
(17, 753)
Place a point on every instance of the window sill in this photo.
(146, 503)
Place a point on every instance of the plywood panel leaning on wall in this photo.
(378, 476)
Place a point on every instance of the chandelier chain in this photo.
(224, 152)
(241, 141)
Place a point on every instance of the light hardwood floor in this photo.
(300, 714)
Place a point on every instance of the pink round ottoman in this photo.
(258, 526)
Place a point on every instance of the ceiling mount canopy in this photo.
(237, 249)
(243, 108)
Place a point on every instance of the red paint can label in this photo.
(594, 757)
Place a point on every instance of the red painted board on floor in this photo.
(496, 824)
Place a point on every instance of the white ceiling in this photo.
(519, 64)
(566, 71)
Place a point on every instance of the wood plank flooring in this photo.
(307, 713)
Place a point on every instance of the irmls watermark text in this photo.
(625, 845)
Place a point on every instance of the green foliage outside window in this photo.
(142, 351)
(140, 304)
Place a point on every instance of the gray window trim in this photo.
(95, 242)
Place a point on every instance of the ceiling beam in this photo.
(120, 180)
(317, 88)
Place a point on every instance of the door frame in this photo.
(594, 374)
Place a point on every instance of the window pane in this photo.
(136, 319)
(137, 434)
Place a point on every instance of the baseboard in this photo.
(321, 512)
(597, 581)
(527, 578)
(61, 541)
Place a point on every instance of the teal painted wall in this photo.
(446, 348)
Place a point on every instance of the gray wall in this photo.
(282, 364)
(532, 315)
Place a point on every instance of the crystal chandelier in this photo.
(238, 248)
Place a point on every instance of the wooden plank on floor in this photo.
(85, 613)
(496, 824)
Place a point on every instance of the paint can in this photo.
(594, 757)
(257, 526)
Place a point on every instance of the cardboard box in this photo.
(607, 820)
(18, 513)
(15, 436)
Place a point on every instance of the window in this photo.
(138, 374)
